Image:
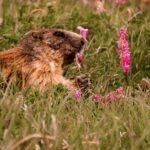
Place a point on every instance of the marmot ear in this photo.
(37, 35)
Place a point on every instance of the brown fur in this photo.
(39, 58)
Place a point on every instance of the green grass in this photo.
(58, 122)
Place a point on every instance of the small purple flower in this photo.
(78, 95)
(83, 31)
(96, 98)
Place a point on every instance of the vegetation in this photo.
(30, 120)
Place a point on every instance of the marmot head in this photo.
(67, 43)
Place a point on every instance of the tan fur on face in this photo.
(39, 58)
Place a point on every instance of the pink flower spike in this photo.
(83, 31)
(123, 49)
(119, 93)
(122, 33)
(125, 45)
(125, 68)
(109, 97)
(78, 59)
(78, 95)
(120, 90)
(119, 44)
(96, 98)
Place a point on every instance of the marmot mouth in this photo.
(68, 59)
(77, 56)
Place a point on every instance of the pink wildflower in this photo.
(119, 45)
(120, 1)
(119, 93)
(100, 7)
(125, 61)
(125, 67)
(96, 98)
(109, 97)
(125, 45)
(79, 58)
(78, 95)
(83, 31)
(123, 49)
(122, 33)
(120, 90)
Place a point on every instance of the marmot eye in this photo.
(59, 34)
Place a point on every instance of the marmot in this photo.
(40, 56)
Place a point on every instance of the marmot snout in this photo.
(39, 57)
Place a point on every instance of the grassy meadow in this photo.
(30, 120)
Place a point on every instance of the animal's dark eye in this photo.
(59, 34)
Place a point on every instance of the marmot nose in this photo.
(82, 41)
